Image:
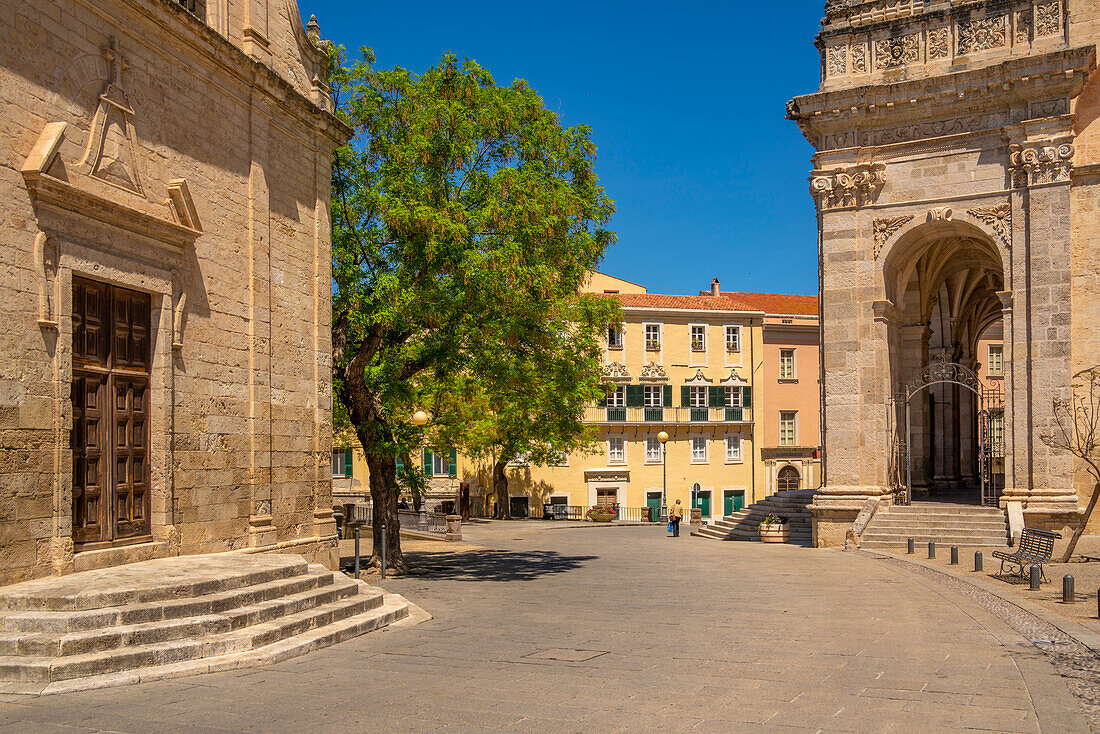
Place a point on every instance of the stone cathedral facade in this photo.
(957, 183)
(164, 292)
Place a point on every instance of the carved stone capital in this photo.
(1006, 300)
(847, 187)
(1043, 161)
(886, 312)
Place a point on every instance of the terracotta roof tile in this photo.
(777, 303)
(769, 303)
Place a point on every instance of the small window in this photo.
(787, 420)
(440, 467)
(698, 338)
(616, 451)
(607, 497)
(653, 337)
(339, 465)
(652, 450)
(733, 338)
(698, 396)
(733, 396)
(614, 337)
(733, 449)
(996, 360)
(997, 432)
(786, 364)
(617, 397)
(559, 458)
(788, 480)
(653, 395)
(698, 451)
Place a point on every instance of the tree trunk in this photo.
(1081, 526)
(500, 486)
(383, 494)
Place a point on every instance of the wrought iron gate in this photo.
(989, 427)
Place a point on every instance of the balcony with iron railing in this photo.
(621, 415)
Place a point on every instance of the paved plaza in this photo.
(541, 628)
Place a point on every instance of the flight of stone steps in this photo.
(945, 523)
(178, 616)
(743, 525)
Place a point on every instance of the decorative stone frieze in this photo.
(854, 186)
(939, 43)
(859, 59)
(1023, 26)
(998, 217)
(655, 372)
(1040, 162)
(616, 372)
(885, 227)
(837, 60)
(898, 51)
(1048, 19)
(982, 34)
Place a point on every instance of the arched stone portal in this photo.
(956, 177)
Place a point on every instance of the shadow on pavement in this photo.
(493, 565)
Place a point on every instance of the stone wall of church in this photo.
(235, 260)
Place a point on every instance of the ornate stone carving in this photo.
(982, 34)
(1049, 108)
(891, 52)
(1040, 162)
(885, 227)
(940, 214)
(111, 154)
(836, 62)
(859, 59)
(616, 372)
(999, 219)
(938, 43)
(939, 128)
(698, 379)
(1023, 26)
(853, 186)
(653, 371)
(1048, 19)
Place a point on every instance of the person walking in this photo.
(675, 515)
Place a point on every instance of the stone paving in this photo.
(624, 629)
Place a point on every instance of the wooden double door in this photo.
(110, 397)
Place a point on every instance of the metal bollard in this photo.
(912, 547)
(977, 560)
(954, 555)
(1068, 596)
(383, 550)
(931, 549)
(1035, 576)
(356, 551)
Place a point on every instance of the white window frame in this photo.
(737, 456)
(793, 375)
(440, 460)
(621, 332)
(997, 429)
(1000, 348)
(693, 392)
(617, 397)
(611, 460)
(794, 427)
(651, 390)
(562, 459)
(645, 337)
(702, 329)
(343, 464)
(650, 458)
(734, 329)
(734, 396)
(705, 459)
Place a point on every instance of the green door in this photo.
(653, 501)
(702, 501)
(732, 502)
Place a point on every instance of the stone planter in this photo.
(601, 517)
(775, 533)
(454, 527)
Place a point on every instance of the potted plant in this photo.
(774, 529)
(601, 514)
(653, 346)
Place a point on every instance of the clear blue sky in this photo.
(686, 103)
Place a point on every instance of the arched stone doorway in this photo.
(788, 480)
(946, 284)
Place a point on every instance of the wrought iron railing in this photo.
(558, 512)
(608, 414)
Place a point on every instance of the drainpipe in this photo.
(757, 400)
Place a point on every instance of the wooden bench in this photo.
(1035, 549)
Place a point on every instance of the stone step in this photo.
(49, 669)
(145, 633)
(214, 603)
(161, 579)
(939, 538)
(897, 522)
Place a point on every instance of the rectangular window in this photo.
(786, 364)
(733, 338)
(996, 360)
(617, 397)
(616, 451)
(698, 451)
(614, 337)
(733, 449)
(653, 337)
(997, 432)
(339, 468)
(787, 420)
(559, 458)
(698, 338)
(698, 396)
(652, 396)
(733, 396)
(607, 497)
(652, 451)
(440, 467)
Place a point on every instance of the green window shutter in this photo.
(603, 401)
(427, 462)
(347, 463)
(685, 396)
(715, 396)
(635, 396)
(668, 396)
(746, 397)
(452, 463)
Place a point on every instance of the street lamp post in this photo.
(420, 418)
(663, 437)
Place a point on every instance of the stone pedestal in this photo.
(454, 527)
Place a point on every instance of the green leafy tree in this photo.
(457, 205)
(526, 397)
